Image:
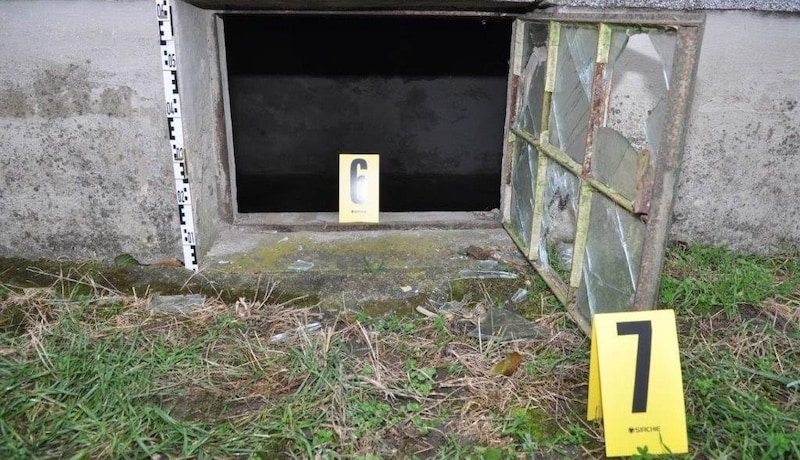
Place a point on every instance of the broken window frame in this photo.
(655, 207)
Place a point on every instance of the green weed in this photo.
(371, 266)
(420, 381)
(88, 373)
(705, 279)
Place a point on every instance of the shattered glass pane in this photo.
(664, 44)
(632, 114)
(618, 43)
(532, 82)
(639, 85)
(504, 325)
(572, 91)
(559, 219)
(654, 126)
(615, 162)
(612, 258)
(522, 183)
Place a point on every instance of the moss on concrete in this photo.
(373, 272)
(357, 255)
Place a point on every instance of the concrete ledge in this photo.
(358, 5)
(757, 5)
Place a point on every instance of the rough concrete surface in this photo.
(203, 121)
(84, 161)
(322, 5)
(739, 183)
(85, 168)
(349, 268)
(758, 5)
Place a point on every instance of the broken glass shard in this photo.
(571, 105)
(487, 264)
(655, 126)
(486, 274)
(559, 219)
(615, 162)
(664, 43)
(639, 88)
(522, 196)
(504, 325)
(301, 266)
(520, 296)
(182, 304)
(530, 119)
(312, 327)
(534, 58)
(612, 257)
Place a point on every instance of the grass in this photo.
(86, 372)
(739, 323)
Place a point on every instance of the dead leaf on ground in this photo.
(507, 366)
(167, 262)
(479, 253)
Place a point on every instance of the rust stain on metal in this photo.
(512, 109)
(667, 164)
(601, 92)
(644, 185)
(514, 89)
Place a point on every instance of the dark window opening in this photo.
(427, 93)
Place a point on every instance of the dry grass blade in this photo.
(215, 383)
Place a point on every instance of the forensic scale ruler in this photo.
(169, 70)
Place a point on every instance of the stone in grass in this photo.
(181, 304)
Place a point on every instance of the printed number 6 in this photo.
(358, 182)
(641, 381)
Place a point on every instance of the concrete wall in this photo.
(739, 183)
(203, 120)
(85, 167)
(758, 5)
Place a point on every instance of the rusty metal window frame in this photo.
(653, 202)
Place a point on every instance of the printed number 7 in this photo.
(641, 381)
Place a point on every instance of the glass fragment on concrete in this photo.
(520, 296)
(612, 255)
(487, 265)
(504, 325)
(455, 305)
(485, 274)
(571, 101)
(301, 266)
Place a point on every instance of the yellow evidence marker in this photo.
(635, 383)
(359, 187)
